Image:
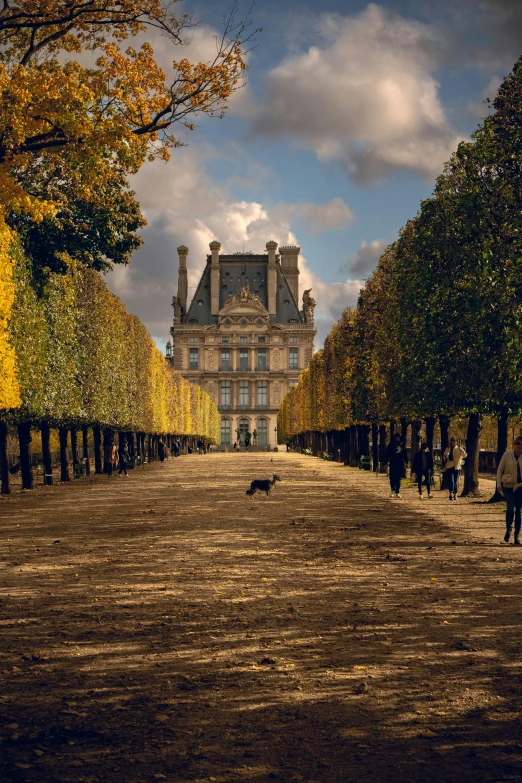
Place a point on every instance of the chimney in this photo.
(182, 278)
(289, 255)
(272, 276)
(215, 247)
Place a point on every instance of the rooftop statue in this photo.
(309, 305)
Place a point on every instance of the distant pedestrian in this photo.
(108, 456)
(200, 446)
(423, 468)
(176, 448)
(235, 445)
(509, 484)
(123, 454)
(189, 449)
(397, 458)
(161, 450)
(452, 459)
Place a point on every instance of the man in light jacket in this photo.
(509, 484)
(453, 457)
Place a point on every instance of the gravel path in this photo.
(167, 627)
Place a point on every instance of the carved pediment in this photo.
(243, 303)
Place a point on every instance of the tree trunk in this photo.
(64, 462)
(502, 444)
(444, 422)
(132, 452)
(416, 440)
(363, 439)
(471, 480)
(375, 447)
(502, 432)
(382, 444)
(404, 430)
(46, 452)
(430, 429)
(354, 455)
(85, 449)
(98, 462)
(74, 449)
(24, 440)
(149, 447)
(107, 440)
(392, 428)
(4, 465)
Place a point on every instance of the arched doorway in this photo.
(262, 432)
(244, 427)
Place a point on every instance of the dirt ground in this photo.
(167, 627)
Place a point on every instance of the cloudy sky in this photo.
(347, 118)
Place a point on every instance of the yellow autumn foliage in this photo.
(9, 387)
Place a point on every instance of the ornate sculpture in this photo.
(178, 310)
(244, 295)
(309, 304)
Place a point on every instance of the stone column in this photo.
(182, 277)
(272, 277)
(289, 255)
(215, 247)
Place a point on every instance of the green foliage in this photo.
(438, 326)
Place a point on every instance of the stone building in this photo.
(243, 338)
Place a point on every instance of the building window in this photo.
(292, 383)
(243, 323)
(293, 339)
(225, 432)
(262, 432)
(194, 359)
(292, 358)
(261, 339)
(243, 339)
(259, 323)
(261, 358)
(262, 393)
(225, 358)
(194, 339)
(244, 397)
(243, 358)
(225, 339)
(227, 323)
(194, 383)
(225, 392)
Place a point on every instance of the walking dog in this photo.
(263, 485)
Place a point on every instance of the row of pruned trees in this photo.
(437, 331)
(74, 359)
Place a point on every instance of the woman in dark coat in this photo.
(423, 468)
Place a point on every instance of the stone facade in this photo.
(243, 338)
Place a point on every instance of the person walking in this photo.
(509, 484)
(161, 450)
(123, 454)
(397, 458)
(109, 457)
(423, 468)
(453, 456)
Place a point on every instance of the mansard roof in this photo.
(236, 271)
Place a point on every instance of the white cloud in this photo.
(335, 214)
(364, 97)
(366, 258)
